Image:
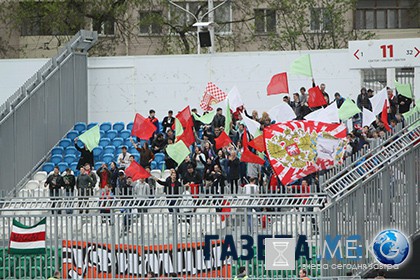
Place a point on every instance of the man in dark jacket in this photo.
(54, 183)
(191, 176)
(69, 182)
(168, 121)
(86, 156)
(403, 103)
(219, 119)
(218, 179)
(84, 184)
(339, 100)
(158, 143)
(363, 100)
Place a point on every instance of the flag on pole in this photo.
(247, 155)
(327, 115)
(222, 141)
(278, 84)
(136, 171)
(185, 117)
(368, 117)
(258, 143)
(404, 89)
(384, 116)
(142, 128)
(228, 118)
(211, 96)
(315, 97)
(178, 128)
(235, 100)
(282, 112)
(206, 118)
(178, 151)
(27, 240)
(348, 109)
(91, 138)
(378, 100)
(302, 66)
(187, 136)
(252, 126)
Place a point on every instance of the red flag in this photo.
(212, 95)
(316, 98)
(136, 171)
(278, 84)
(222, 141)
(187, 136)
(247, 155)
(258, 143)
(185, 117)
(384, 116)
(142, 128)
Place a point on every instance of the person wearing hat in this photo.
(124, 158)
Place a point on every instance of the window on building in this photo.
(320, 19)
(150, 22)
(374, 79)
(265, 21)
(387, 14)
(104, 27)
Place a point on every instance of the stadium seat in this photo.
(130, 126)
(92, 124)
(73, 167)
(104, 142)
(56, 159)
(136, 156)
(159, 157)
(62, 166)
(48, 167)
(32, 184)
(124, 134)
(128, 143)
(118, 141)
(132, 150)
(57, 150)
(69, 158)
(102, 133)
(166, 173)
(107, 158)
(111, 134)
(40, 176)
(118, 126)
(80, 127)
(156, 172)
(105, 126)
(98, 165)
(72, 134)
(109, 150)
(97, 151)
(161, 165)
(64, 143)
(153, 165)
(71, 150)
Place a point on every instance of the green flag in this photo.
(408, 115)
(302, 66)
(207, 118)
(178, 151)
(178, 128)
(404, 89)
(228, 119)
(91, 138)
(347, 110)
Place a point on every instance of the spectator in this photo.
(370, 93)
(208, 150)
(296, 106)
(69, 182)
(171, 187)
(233, 174)
(54, 183)
(89, 172)
(104, 176)
(339, 100)
(106, 198)
(403, 103)
(123, 158)
(392, 103)
(151, 182)
(324, 93)
(121, 181)
(182, 168)
(153, 120)
(303, 274)
(84, 184)
(146, 155)
(191, 176)
(217, 181)
(168, 121)
(126, 192)
(253, 170)
(241, 273)
(286, 99)
(363, 100)
(113, 176)
(170, 135)
(86, 156)
(158, 144)
(199, 159)
(219, 119)
(197, 124)
(56, 276)
(221, 161)
(251, 188)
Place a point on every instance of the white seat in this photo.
(40, 176)
(210, 227)
(32, 185)
(183, 229)
(159, 189)
(24, 193)
(196, 229)
(156, 172)
(166, 174)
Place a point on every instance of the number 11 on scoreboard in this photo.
(390, 48)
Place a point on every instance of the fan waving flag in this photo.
(298, 148)
(222, 141)
(27, 240)
(211, 96)
(91, 138)
(185, 117)
(142, 128)
(136, 171)
(278, 84)
(316, 98)
(302, 66)
(178, 151)
(384, 116)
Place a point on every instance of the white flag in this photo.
(327, 115)
(235, 100)
(368, 117)
(282, 113)
(251, 125)
(378, 101)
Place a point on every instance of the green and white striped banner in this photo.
(27, 240)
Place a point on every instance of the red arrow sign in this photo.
(418, 51)
(355, 54)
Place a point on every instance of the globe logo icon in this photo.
(391, 247)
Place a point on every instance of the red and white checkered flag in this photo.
(211, 96)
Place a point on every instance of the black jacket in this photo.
(69, 181)
(403, 103)
(54, 182)
(170, 188)
(194, 178)
(233, 169)
(85, 157)
(167, 123)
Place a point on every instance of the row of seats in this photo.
(106, 126)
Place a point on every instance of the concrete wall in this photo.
(121, 86)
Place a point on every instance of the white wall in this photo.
(14, 73)
(121, 86)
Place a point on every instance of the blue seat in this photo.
(57, 150)
(72, 134)
(92, 124)
(130, 126)
(102, 133)
(97, 151)
(153, 165)
(80, 127)
(124, 134)
(71, 150)
(136, 156)
(132, 150)
(48, 167)
(69, 158)
(159, 157)
(98, 165)
(111, 134)
(63, 166)
(109, 150)
(128, 143)
(73, 166)
(105, 126)
(64, 143)
(118, 141)
(104, 142)
(107, 158)
(161, 165)
(118, 126)
(55, 159)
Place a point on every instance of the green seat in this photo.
(48, 271)
(36, 271)
(39, 261)
(21, 272)
(4, 272)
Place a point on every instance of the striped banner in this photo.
(27, 240)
